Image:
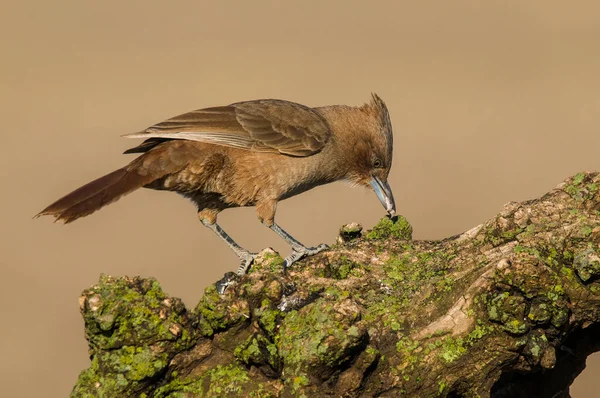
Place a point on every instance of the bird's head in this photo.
(369, 144)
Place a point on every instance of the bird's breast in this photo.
(279, 177)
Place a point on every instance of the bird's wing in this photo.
(260, 125)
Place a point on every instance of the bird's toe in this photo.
(227, 280)
(311, 251)
(231, 278)
(247, 260)
(322, 247)
(300, 253)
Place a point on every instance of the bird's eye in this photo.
(377, 163)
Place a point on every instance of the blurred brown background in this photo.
(490, 101)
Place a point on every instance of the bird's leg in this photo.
(245, 256)
(266, 214)
(298, 249)
(209, 220)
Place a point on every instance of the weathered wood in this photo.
(509, 308)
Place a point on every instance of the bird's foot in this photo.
(231, 278)
(301, 252)
(227, 280)
(247, 260)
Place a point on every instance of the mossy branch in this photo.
(509, 308)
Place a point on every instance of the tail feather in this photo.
(96, 194)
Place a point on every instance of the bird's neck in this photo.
(345, 123)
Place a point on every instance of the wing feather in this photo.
(260, 125)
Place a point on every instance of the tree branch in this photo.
(509, 308)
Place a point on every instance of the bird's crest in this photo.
(380, 109)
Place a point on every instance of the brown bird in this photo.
(252, 153)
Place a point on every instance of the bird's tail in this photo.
(96, 194)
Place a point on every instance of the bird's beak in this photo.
(384, 193)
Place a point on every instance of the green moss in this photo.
(497, 237)
(262, 392)
(258, 350)
(585, 231)
(177, 388)
(560, 315)
(493, 313)
(441, 386)
(372, 351)
(536, 345)
(406, 346)
(318, 336)
(530, 231)
(122, 311)
(343, 267)
(568, 272)
(217, 313)
(410, 270)
(452, 349)
(405, 275)
(134, 363)
(479, 332)
(385, 311)
(250, 351)
(230, 380)
(445, 284)
(551, 256)
(409, 351)
(516, 327)
(273, 290)
(536, 350)
(120, 372)
(268, 318)
(587, 264)
(91, 384)
(578, 178)
(133, 329)
(271, 261)
(529, 250)
(390, 228)
(298, 382)
(556, 292)
(509, 310)
(226, 380)
(580, 191)
(539, 312)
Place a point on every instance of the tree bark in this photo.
(509, 308)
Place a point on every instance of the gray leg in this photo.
(298, 249)
(244, 255)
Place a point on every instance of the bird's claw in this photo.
(247, 260)
(320, 248)
(227, 280)
(301, 252)
(231, 278)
